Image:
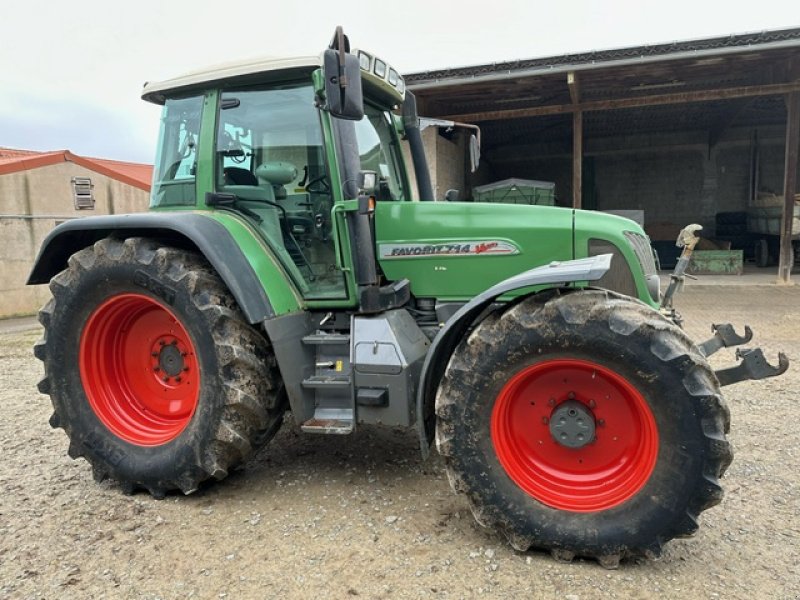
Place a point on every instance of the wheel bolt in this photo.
(545, 420)
(178, 379)
(173, 343)
(154, 354)
(166, 379)
(551, 402)
(186, 369)
(592, 404)
(571, 395)
(162, 343)
(156, 368)
(601, 422)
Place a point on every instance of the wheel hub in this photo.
(170, 359)
(572, 424)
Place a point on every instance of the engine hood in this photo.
(452, 251)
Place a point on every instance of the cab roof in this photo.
(247, 69)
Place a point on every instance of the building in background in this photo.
(678, 133)
(38, 190)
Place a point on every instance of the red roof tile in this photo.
(136, 174)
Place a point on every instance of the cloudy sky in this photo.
(71, 71)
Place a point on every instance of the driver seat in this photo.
(239, 176)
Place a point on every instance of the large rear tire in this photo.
(153, 372)
(583, 423)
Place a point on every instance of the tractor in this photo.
(286, 265)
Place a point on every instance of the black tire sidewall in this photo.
(637, 521)
(147, 465)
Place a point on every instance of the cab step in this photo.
(326, 382)
(325, 339)
(330, 420)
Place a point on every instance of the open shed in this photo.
(684, 131)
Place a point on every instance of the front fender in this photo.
(556, 274)
(246, 275)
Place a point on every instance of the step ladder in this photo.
(331, 384)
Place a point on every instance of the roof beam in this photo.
(748, 91)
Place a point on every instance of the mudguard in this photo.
(556, 274)
(210, 237)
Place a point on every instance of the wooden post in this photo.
(789, 185)
(577, 158)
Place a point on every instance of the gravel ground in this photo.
(362, 516)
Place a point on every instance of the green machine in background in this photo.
(287, 266)
(517, 191)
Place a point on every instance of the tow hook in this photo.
(753, 366)
(724, 337)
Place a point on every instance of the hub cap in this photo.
(139, 369)
(574, 435)
(572, 424)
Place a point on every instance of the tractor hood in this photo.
(452, 251)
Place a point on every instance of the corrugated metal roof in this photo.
(139, 175)
(665, 51)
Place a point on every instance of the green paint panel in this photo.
(283, 297)
(455, 257)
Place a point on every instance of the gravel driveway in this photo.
(362, 516)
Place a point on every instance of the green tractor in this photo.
(285, 266)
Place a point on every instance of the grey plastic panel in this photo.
(388, 352)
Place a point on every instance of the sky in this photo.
(71, 72)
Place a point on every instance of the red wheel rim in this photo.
(598, 476)
(139, 369)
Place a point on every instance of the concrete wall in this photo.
(31, 203)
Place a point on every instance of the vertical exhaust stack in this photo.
(411, 124)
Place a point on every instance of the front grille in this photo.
(643, 250)
(619, 277)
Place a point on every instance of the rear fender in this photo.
(189, 230)
(554, 275)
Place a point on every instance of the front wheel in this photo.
(153, 372)
(584, 423)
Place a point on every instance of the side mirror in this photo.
(344, 98)
(474, 153)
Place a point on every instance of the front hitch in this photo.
(753, 366)
(724, 337)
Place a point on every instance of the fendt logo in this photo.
(465, 248)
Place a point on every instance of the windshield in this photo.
(378, 149)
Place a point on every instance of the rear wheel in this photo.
(583, 423)
(153, 372)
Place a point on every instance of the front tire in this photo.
(153, 372)
(583, 423)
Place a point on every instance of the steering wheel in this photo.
(325, 186)
(232, 148)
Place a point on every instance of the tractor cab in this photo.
(261, 146)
